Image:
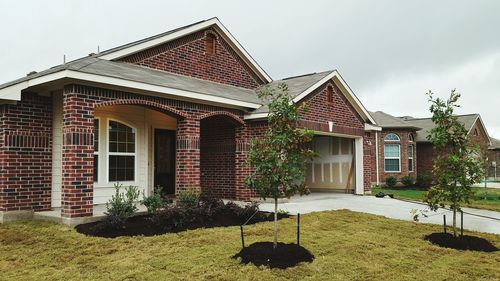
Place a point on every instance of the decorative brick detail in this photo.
(187, 56)
(147, 103)
(26, 154)
(188, 155)
(368, 159)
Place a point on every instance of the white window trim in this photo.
(385, 138)
(412, 158)
(99, 149)
(399, 158)
(121, 153)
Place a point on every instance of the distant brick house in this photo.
(176, 110)
(403, 147)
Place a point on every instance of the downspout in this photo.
(376, 157)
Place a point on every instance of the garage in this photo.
(334, 169)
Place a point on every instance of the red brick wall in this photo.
(26, 154)
(187, 56)
(345, 119)
(479, 136)
(404, 142)
(425, 152)
(368, 160)
(218, 146)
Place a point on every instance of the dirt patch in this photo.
(144, 225)
(284, 256)
(466, 242)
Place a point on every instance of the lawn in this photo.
(486, 198)
(347, 246)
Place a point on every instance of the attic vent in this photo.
(329, 94)
(210, 44)
(31, 73)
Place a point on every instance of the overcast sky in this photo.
(390, 52)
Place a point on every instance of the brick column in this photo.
(187, 172)
(78, 148)
(241, 169)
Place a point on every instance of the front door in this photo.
(164, 160)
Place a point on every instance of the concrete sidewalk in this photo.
(474, 219)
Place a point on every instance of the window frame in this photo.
(389, 134)
(109, 153)
(97, 153)
(411, 137)
(411, 168)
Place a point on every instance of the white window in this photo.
(392, 158)
(410, 158)
(121, 157)
(96, 150)
(391, 137)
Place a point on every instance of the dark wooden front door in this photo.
(164, 166)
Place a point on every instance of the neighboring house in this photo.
(494, 158)
(396, 148)
(175, 110)
(473, 124)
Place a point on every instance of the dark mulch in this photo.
(143, 225)
(466, 242)
(284, 256)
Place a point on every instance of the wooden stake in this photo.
(298, 229)
(444, 223)
(242, 237)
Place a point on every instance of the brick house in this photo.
(494, 159)
(175, 110)
(396, 148)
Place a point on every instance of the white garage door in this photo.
(334, 169)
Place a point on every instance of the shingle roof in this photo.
(495, 143)
(131, 72)
(427, 125)
(296, 85)
(388, 121)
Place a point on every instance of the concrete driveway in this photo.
(474, 219)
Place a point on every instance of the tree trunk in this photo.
(275, 243)
(454, 222)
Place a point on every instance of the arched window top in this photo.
(411, 137)
(210, 43)
(121, 137)
(392, 137)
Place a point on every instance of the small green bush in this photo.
(424, 180)
(154, 202)
(390, 181)
(121, 206)
(407, 181)
(189, 198)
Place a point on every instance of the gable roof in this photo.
(387, 121)
(153, 41)
(427, 125)
(301, 86)
(12, 90)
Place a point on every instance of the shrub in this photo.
(189, 198)
(407, 181)
(121, 206)
(153, 202)
(391, 181)
(424, 180)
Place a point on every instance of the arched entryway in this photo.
(218, 155)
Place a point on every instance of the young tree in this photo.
(457, 165)
(279, 158)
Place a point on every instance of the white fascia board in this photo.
(351, 97)
(370, 127)
(256, 116)
(15, 90)
(189, 30)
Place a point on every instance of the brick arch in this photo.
(233, 116)
(151, 104)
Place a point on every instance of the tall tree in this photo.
(457, 165)
(279, 158)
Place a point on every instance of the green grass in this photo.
(491, 203)
(347, 246)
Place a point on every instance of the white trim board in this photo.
(14, 92)
(189, 30)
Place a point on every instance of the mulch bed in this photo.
(284, 256)
(143, 225)
(466, 242)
